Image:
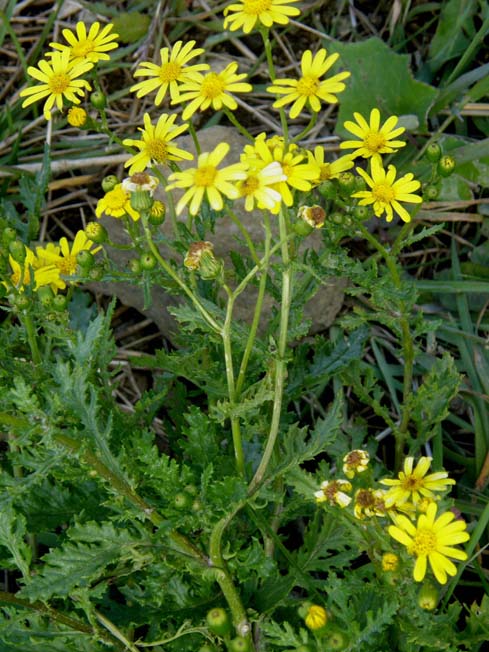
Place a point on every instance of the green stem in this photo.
(307, 129)
(181, 543)
(224, 579)
(245, 234)
(271, 70)
(171, 272)
(115, 631)
(280, 362)
(169, 199)
(31, 338)
(228, 359)
(258, 309)
(407, 346)
(232, 118)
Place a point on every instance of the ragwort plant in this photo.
(249, 531)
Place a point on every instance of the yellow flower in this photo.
(22, 275)
(212, 89)
(76, 116)
(58, 79)
(316, 617)
(369, 502)
(385, 192)
(390, 562)
(373, 139)
(414, 485)
(116, 203)
(88, 47)
(431, 539)
(309, 89)
(64, 256)
(298, 174)
(247, 13)
(170, 73)
(256, 187)
(333, 492)
(325, 170)
(208, 180)
(355, 461)
(155, 147)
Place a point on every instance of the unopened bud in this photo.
(446, 166)
(96, 232)
(77, 116)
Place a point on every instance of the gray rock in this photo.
(322, 310)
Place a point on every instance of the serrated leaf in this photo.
(379, 78)
(12, 536)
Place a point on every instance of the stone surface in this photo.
(322, 309)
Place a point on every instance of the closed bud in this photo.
(428, 596)
(98, 100)
(327, 189)
(45, 295)
(218, 621)
(239, 644)
(77, 116)
(109, 183)
(8, 235)
(148, 261)
(316, 617)
(182, 500)
(60, 302)
(157, 213)
(360, 184)
(96, 232)
(347, 183)
(85, 259)
(96, 273)
(336, 639)
(337, 217)
(17, 251)
(21, 302)
(141, 200)
(361, 213)
(433, 152)
(431, 192)
(135, 266)
(446, 166)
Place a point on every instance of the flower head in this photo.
(155, 146)
(414, 485)
(63, 257)
(59, 80)
(213, 89)
(91, 46)
(390, 562)
(386, 192)
(369, 502)
(355, 461)
(116, 203)
(333, 492)
(314, 216)
(432, 539)
(247, 13)
(325, 170)
(140, 182)
(373, 139)
(32, 270)
(172, 71)
(316, 617)
(257, 186)
(77, 116)
(309, 88)
(207, 180)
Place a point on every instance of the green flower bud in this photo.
(360, 184)
(60, 301)
(302, 228)
(433, 152)
(336, 639)
(21, 302)
(96, 273)
(347, 183)
(157, 213)
(182, 500)
(141, 200)
(45, 295)
(327, 189)
(109, 183)
(17, 251)
(446, 166)
(361, 213)
(431, 192)
(337, 217)
(85, 259)
(218, 621)
(8, 235)
(428, 596)
(135, 266)
(98, 100)
(239, 644)
(96, 232)
(147, 261)
(303, 609)
(196, 506)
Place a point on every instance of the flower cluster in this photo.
(409, 506)
(60, 74)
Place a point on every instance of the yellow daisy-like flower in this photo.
(266, 12)
(22, 275)
(355, 461)
(155, 147)
(299, 175)
(373, 139)
(333, 492)
(325, 170)
(369, 502)
(64, 256)
(256, 187)
(432, 539)
(413, 484)
(309, 88)
(207, 180)
(172, 71)
(58, 79)
(386, 192)
(91, 46)
(116, 203)
(213, 89)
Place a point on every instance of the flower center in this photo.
(325, 173)
(424, 542)
(410, 483)
(307, 85)
(250, 185)
(256, 7)
(385, 194)
(116, 199)
(205, 176)
(157, 150)
(67, 265)
(170, 72)
(374, 141)
(59, 83)
(212, 86)
(365, 498)
(82, 49)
